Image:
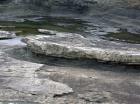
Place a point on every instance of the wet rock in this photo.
(7, 35)
(76, 46)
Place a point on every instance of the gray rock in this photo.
(23, 81)
(19, 81)
(76, 46)
(39, 86)
(96, 97)
(7, 35)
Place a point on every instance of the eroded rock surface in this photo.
(76, 46)
(19, 81)
(62, 81)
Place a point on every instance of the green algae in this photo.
(30, 26)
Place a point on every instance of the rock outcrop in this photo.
(76, 46)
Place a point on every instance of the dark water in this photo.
(124, 37)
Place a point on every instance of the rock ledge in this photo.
(76, 46)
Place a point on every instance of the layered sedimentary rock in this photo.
(76, 46)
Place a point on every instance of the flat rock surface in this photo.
(18, 81)
(63, 81)
(76, 46)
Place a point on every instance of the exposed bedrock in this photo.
(76, 46)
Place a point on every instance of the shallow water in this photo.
(30, 25)
(91, 67)
(124, 37)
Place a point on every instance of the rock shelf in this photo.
(70, 45)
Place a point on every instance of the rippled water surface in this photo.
(30, 25)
